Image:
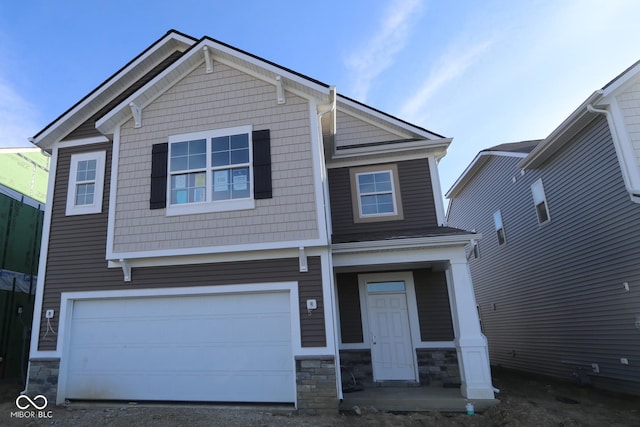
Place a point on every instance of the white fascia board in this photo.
(42, 263)
(233, 252)
(476, 164)
(409, 243)
(622, 80)
(44, 139)
(428, 145)
(554, 141)
(412, 129)
(186, 64)
(276, 70)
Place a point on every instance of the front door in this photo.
(391, 348)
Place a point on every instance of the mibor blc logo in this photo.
(31, 408)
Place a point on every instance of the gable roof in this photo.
(125, 78)
(165, 62)
(512, 149)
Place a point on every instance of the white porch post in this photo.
(471, 344)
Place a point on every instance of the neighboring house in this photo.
(221, 228)
(23, 183)
(557, 271)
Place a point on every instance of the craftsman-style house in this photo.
(221, 228)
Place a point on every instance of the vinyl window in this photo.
(375, 193)
(540, 202)
(86, 183)
(499, 226)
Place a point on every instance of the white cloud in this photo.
(381, 49)
(449, 67)
(17, 118)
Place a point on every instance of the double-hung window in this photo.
(86, 183)
(497, 222)
(540, 202)
(210, 171)
(375, 193)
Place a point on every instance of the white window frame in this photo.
(358, 216)
(95, 207)
(536, 203)
(209, 205)
(498, 215)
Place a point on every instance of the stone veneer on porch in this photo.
(436, 366)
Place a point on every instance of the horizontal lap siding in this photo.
(353, 131)
(552, 299)
(200, 102)
(349, 306)
(76, 262)
(434, 310)
(417, 201)
(432, 298)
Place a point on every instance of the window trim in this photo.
(96, 207)
(543, 201)
(358, 216)
(498, 229)
(210, 205)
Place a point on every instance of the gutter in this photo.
(627, 172)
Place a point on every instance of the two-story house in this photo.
(557, 272)
(222, 228)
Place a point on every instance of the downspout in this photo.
(635, 193)
(325, 193)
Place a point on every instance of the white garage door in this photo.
(224, 348)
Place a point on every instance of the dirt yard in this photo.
(525, 401)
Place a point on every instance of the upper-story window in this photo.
(217, 170)
(376, 194)
(540, 202)
(497, 222)
(86, 183)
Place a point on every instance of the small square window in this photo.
(540, 202)
(375, 193)
(86, 182)
(497, 221)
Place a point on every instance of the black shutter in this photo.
(261, 164)
(159, 158)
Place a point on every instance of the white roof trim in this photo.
(51, 134)
(476, 164)
(190, 61)
(387, 118)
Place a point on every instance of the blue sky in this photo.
(482, 72)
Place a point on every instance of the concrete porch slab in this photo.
(413, 399)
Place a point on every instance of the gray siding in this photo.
(434, 311)
(417, 202)
(88, 128)
(432, 299)
(552, 299)
(349, 308)
(76, 262)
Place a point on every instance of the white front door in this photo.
(391, 348)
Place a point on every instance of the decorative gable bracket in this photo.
(207, 59)
(137, 115)
(280, 90)
(302, 256)
(126, 269)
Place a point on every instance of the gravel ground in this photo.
(525, 401)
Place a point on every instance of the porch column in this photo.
(471, 344)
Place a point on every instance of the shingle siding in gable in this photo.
(353, 131)
(629, 102)
(199, 102)
(552, 299)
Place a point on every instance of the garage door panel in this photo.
(187, 348)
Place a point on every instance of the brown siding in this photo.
(434, 312)
(76, 262)
(349, 306)
(417, 203)
(88, 128)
